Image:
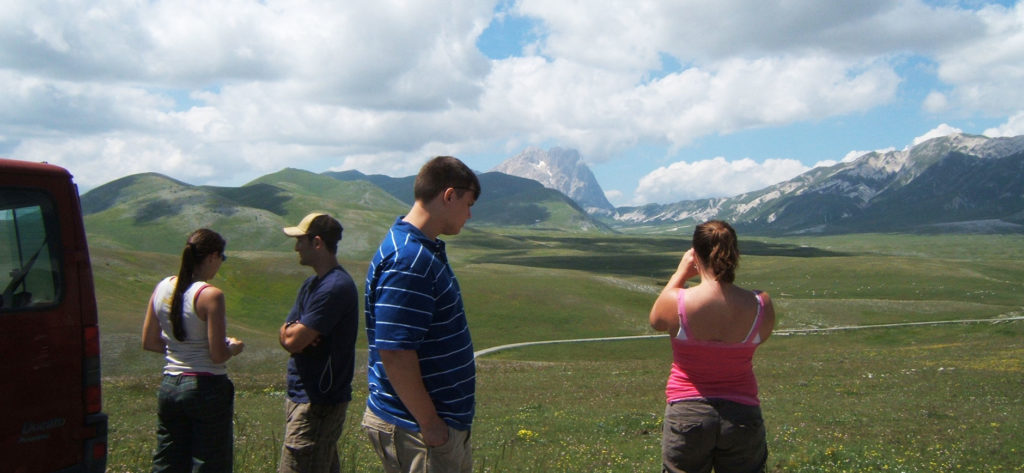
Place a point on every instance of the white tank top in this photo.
(191, 355)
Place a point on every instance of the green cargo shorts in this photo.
(311, 437)
(704, 433)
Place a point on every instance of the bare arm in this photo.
(664, 314)
(151, 340)
(210, 306)
(295, 337)
(403, 370)
(768, 322)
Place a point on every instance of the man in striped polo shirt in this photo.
(421, 371)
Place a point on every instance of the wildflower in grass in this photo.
(526, 435)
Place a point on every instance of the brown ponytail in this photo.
(201, 243)
(715, 244)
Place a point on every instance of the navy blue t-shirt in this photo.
(322, 374)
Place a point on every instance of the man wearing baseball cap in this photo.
(320, 333)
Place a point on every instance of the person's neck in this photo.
(713, 284)
(420, 217)
(325, 266)
(201, 274)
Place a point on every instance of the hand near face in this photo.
(688, 263)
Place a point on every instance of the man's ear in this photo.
(448, 195)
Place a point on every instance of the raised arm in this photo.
(664, 314)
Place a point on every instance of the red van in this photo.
(51, 417)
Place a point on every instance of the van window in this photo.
(30, 270)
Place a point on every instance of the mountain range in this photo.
(153, 212)
(957, 183)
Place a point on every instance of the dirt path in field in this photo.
(800, 331)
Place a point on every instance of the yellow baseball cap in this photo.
(303, 227)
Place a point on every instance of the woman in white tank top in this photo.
(185, 321)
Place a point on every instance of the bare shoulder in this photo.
(211, 291)
(210, 295)
(664, 314)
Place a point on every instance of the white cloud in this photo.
(630, 34)
(581, 107)
(935, 102)
(716, 177)
(224, 91)
(268, 84)
(742, 94)
(939, 131)
(126, 153)
(600, 112)
(986, 70)
(1013, 127)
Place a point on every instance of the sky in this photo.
(665, 101)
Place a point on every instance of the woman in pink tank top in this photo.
(713, 415)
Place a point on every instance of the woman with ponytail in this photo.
(185, 321)
(713, 417)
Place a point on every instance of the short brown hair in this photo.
(441, 173)
(328, 229)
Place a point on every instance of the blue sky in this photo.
(665, 101)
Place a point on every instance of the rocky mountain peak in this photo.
(562, 170)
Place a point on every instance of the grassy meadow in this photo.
(920, 398)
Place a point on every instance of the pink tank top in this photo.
(713, 370)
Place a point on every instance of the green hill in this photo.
(399, 187)
(365, 210)
(152, 212)
(506, 202)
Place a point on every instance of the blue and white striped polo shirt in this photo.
(413, 302)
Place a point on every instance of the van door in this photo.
(50, 417)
